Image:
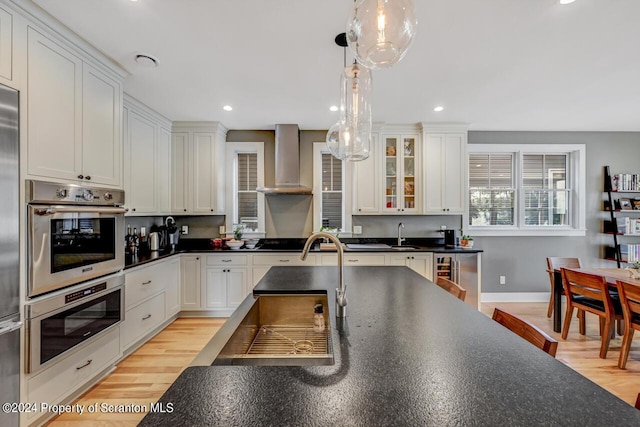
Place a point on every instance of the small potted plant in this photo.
(466, 241)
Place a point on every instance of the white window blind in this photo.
(247, 180)
(491, 190)
(528, 189)
(331, 192)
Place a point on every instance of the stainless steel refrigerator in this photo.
(10, 323)
(462, 269)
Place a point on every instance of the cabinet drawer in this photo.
(227, 260)
(143, 283)
(350, 260)
(283, 260)
(142, 319)
(62, 378)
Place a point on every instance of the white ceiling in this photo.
(494, 64)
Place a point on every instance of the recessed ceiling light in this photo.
(146, 60)
(438, 108)
(566, 1)
(227, 108)
(333, 108)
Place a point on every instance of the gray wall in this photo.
(294, 216)
(523, 259)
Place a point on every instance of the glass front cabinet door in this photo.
(401, 174)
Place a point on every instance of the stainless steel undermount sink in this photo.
(278, 331)
(404, 248)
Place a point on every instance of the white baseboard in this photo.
(515, 296)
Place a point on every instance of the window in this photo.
(526, 189)
(328, 195)
(245, 204)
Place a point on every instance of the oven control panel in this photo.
(39, 192)
(75, 296)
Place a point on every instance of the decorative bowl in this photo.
(235, 244)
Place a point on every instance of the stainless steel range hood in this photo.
(287, 163)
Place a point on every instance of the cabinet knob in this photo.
(185, 210)
(198, 258)
(133, 209)
(80, 176)
(88, 178)
(211, 210)
(359, 210)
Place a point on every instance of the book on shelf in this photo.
(625, 182)
(630, 253)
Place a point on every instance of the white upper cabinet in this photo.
(101, 127)
(147, 160)
(198, 168)
(445, 159)
(390, 180)
(6, 45)
(401, 171)
(54, 130)
(73, 116)
(366, 193)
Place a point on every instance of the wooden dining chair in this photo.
(556, 263)
(590, 293)
(630, 301)
(452, 287)
(527, 331)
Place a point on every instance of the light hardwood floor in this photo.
(147, 373)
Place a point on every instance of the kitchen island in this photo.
(408, 353)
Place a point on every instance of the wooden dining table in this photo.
(611, 274)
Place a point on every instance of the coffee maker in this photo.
(449, 238)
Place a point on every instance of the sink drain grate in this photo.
(282, 340)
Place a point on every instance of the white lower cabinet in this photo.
(354, 259)
(190, 282)
(172, 286)
(421, 263)
(225, 287)
(63, 378)
(142, 319)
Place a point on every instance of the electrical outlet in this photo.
(222, 230)
(357, 229)
(443, 227)
(503, 280)
(185, 229)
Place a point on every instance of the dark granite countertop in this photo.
(290, 245)
(408, 354)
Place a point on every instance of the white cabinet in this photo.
(60, 380)
(54, 127)
(263, 262)
(354, 259)
(401, 172)
(142, 319)
(421, 263)
(366, 193)
(147, 160)
(172, 286)
(226, 282)
(198, 168)
(445, 159)
(6, 45)
(73, 116)
(225, 287)
(190, 282)
(101, 127)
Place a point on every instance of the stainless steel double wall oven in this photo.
(75, 245)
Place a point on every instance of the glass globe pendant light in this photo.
(379, 32)
(350, 138)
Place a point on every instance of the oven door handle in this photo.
(80, 209)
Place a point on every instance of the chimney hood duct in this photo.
(287, 163)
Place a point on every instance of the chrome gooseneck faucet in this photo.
(400, 238)
(341, 290)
